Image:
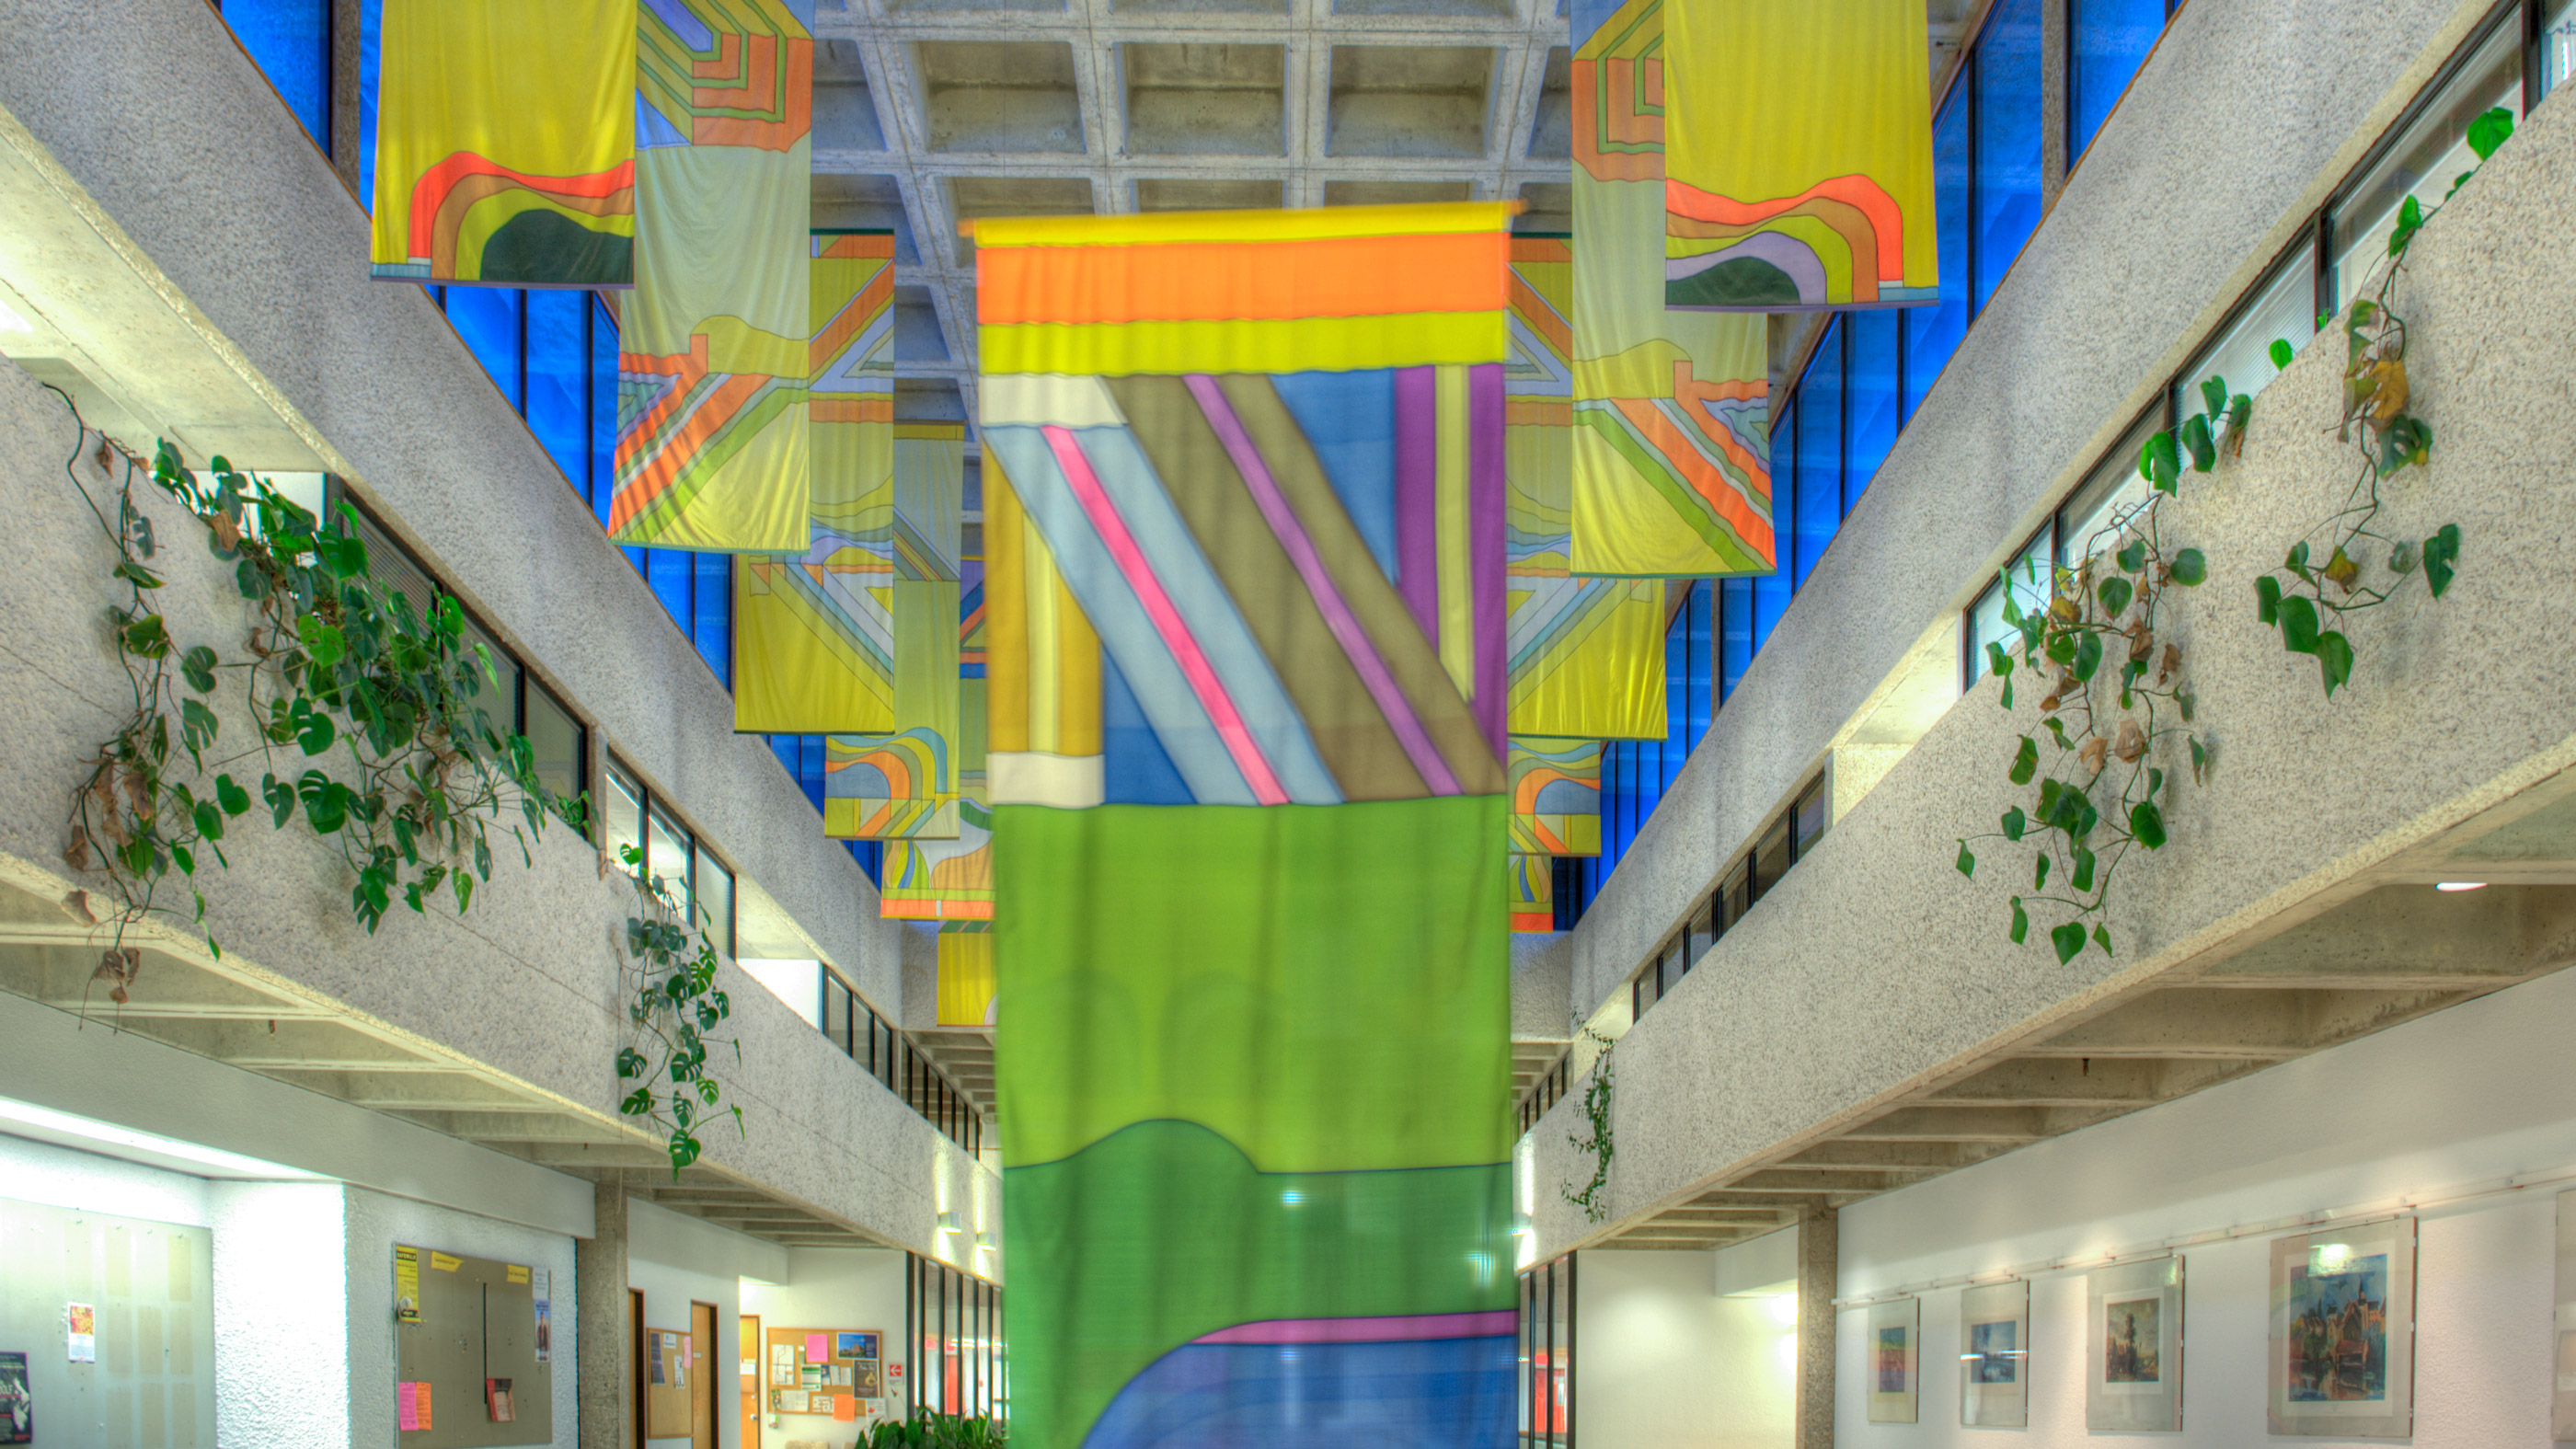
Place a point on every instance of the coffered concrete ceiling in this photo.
(932, 112)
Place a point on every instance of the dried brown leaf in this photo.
(227, 532)
(2388, 391)
(2342, 569)
(2130, 743)
(2092, 754)
(2171, 662)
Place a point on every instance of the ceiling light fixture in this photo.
(44, 1124)
(2461, 885)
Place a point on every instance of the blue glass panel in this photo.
(2006, 207)
(371, 32)
(559, 380)
(784, 747)
(603, 409)
(667, 570)
(711, 615)
(1869, 399)
(809, 768)
(2108, 41)
(488, 319)
(1771, 591)
(1735, 628)
(1820, 452)
(1933, 333)
(1675, 745)
(1700, 701)
(291, 40)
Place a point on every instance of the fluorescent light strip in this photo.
(46, 1119)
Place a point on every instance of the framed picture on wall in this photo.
(1894, 1390)
(2562, 1364)
(17, 1404)
(2133, 1346)
(2343, 1331)
(1994, 1355)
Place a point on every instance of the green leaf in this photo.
(638, 1103)
(2441, 553)
(2025, 761)
(2088, 658)
(2410, 220)
(2197, 442)
(2068, 939)
(1967, 863)
(2132, 559)
(2020, 922)
(281, 800)
(2186, 701)
(2296, 561)
(324, 643)
(2190, 568)
(2147, 823)
(187, 860)
(2199, 761)
(209, 820)
(2490, 131)
(2115, 594)
(148, 637)
(2080, 878)
(2159, 464)
(313, 729)
(2283, 353)
(197, 666)
(2334, 660)
(2015, 823)
(2039, 871)
(231, 796)
(2213, 396)
(1997, 661)
(2267, 600)
(2102, 938)
(2060, 648)
(2299, 628)
(137, 575)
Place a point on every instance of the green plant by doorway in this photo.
(928, 1430)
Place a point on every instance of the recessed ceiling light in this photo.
(2461, 885)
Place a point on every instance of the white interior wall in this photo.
(833, 1288)
(2465, 1101)
(677, 1261)
(284, 1319)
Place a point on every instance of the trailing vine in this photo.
(2098, 791)
(334, 660)
(673, 1002)
(2345, 550)
(1596, 1112)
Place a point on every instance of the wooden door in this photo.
(635, 1366)
(750, 1354)
(702, 1364)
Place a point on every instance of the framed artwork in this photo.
(1894, 1390)
(2342, 1347)
(2133, 1346)
(1994, 1355)
(17, 1405)
(2562, 1397)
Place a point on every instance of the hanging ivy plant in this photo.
(2116, 695)
(1593, 1198)
(2344, 565)
(672, 1003)
(372, 724)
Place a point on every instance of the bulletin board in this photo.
(474, 1371)
(793, 1381)
(670, 1409)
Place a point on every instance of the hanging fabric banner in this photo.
(1834, 209)
(712, 445)
(1556, 796)
(1672, 474)
(1243, 488)
(814, 636)
(880, 787)
(1531, 889)
(1586, 655)
(505, 143)
(966, 973)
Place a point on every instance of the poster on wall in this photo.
(17, 1407)
(2133, 1346)
(81, 1322)
(2562, 1399)
(406, 1284)
(1893, 1349)
(2342, 1348)
(1994, 1355)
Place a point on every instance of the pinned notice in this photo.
(443, 1263)
(81, 1319)
(844, 1407)
(407, 1406)
(818, 1348)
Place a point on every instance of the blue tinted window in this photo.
(1820, 452)
(559, 380)
(1700, 705)
(1735, 628)
(371, 30)
(1675, 746)
(291, 40)
(2006, 208)
(488, 319)
(1933, 333)
(603, 409)
(1869, 399)
(2107, 41)
(1771, 590)
(711, 614)
(668, 571)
